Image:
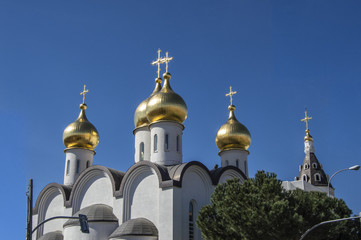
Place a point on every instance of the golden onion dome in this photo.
(140, 114)
(166, 105)
(81, 133)
(233, 134)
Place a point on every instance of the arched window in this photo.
(67, 167)
(304, 177)
(227, 163)
(87, 164)
(237, 163)
(317, 177)
(307, 166)
(141, 151)
(177, 143)
(191, 221)
(77, 166)
(166, 145)
(155, 143)
(314, 165)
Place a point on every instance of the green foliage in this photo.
(260, 209)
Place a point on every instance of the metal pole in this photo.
(326, 222)
(29, 224)
(329, 181)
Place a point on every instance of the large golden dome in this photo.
(166, 105)
(81, 133)
(140, 114)
(233, 134)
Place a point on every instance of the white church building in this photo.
(159, 196)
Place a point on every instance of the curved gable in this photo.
(96, 184)
(161, 172)
(224, 173)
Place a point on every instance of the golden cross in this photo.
(84, 92)
(306, 119)
(159, 61)
(230, 94)
(167, 60)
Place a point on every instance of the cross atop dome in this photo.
(230, 94)
(158, 62)
(167, 59)
(85, 91)
(306, 119)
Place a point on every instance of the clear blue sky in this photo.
(280, 56)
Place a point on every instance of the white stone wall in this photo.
(309, 148)
(71, 158)
(97, 231)
(305, 186)
(94, 188)
(162, 155)
(196, 188)
(142, 135)
(230, 158)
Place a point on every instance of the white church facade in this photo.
(159, 196)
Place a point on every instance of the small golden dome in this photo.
(81, 133)
(166, 105)
(140, 114)
(308, 136)
(233, 134)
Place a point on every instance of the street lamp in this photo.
(356, 167)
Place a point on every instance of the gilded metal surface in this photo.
(83, 93)
(230, 94)
(167, 59)
(81, 133)
(140, 114)
(166, 105)
(158, 62)
(308, 137)
(233, 134)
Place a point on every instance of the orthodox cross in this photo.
(167, 60)
(230, 94)
(159, 61)
(84, 92)
(306, 119)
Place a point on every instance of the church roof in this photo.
(311, 167)
(135, 227)
(57, 235)
(95, 213)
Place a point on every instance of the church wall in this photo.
(135, 238)
(162, 155)
(97, 231)
(230, 174)
(118, 209)
(196, 188)
(51, 205)
(142, 135)
(94, 188)
(167, 218)
(141, 195)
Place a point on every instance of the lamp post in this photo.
(356, 167)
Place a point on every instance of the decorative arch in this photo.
(46, 196)
(86, 176)
(160, 171)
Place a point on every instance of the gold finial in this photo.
(167, 60)
(85, 91)
(159, 61)
(230, 94)
(306, 119)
